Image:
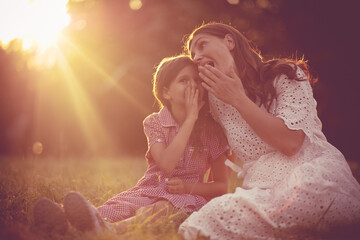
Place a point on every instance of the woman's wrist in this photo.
(241, 103)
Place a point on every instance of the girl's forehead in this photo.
(186, 72)
(189, 69)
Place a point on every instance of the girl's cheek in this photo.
(184, 92)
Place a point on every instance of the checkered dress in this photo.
(161, 127)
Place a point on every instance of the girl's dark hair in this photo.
(257, 76)
(165, 73)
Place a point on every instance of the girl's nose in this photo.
(195, 83)
(192, 83)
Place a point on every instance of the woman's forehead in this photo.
(196, 38)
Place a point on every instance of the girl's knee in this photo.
(161, 205)
(145, 210)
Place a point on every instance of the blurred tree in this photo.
(112, 51)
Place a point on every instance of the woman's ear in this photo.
(229, 41)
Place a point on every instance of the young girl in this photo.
(293, 178)
(182, 145)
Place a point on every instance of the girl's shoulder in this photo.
(151, 119)
(163, 118)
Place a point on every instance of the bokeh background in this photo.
(87, 94)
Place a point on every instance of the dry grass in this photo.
(23, 181)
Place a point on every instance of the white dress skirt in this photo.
(313, 190)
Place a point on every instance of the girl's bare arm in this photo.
(167, 157)
(212, 189)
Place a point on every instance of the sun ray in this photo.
(106, 77)
(36, 23)
(92, 127)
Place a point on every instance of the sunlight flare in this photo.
(36, 24)
(107, 77)
(135, 4)
(37, 148)
(88, 118)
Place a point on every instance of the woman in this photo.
(293, 178)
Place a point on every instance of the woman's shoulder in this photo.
(290, 69)
(299, 76)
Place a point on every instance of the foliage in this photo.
(111, 52)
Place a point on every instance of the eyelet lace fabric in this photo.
(314, 189)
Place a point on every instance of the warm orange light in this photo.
(135, 4)
(37, 148)
(233, 2)
(36, 23)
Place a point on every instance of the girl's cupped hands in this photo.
(226, 87)
(193, 103)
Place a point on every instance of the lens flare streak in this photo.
(107, 77)
(92, 127)
(36, 24)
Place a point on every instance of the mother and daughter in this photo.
(292, 177)
(183, 143)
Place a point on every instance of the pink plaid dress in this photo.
(161, 127)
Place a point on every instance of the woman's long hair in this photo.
(257, 76)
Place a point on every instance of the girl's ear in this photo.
(165, 93)
(229, 41)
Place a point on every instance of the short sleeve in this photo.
(217, 146)
(296, 104)
(153, 130)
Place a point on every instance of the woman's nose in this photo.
(197, 58)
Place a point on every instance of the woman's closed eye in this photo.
(201, 45)
(198, 47)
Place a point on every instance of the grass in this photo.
(23, 181)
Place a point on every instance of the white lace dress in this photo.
(313, 189)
